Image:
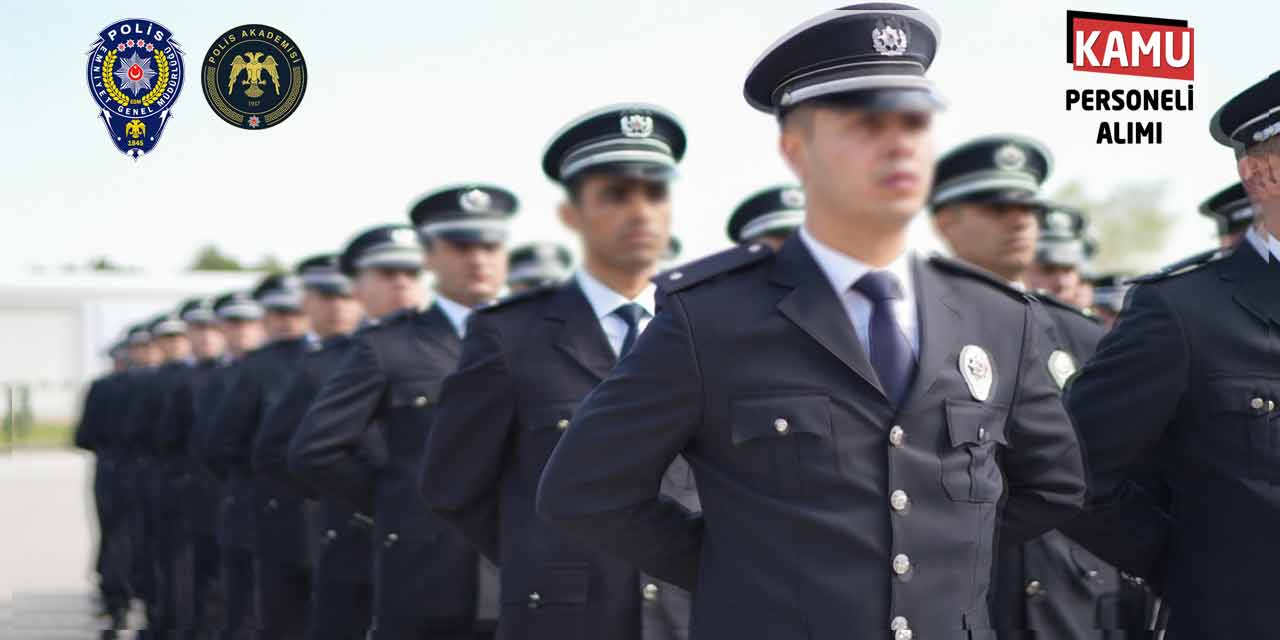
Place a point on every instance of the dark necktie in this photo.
(891, 354)
(631, 313)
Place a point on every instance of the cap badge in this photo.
(975, 367)
(792, 198)
(475, 201)
(889, 40)
(1010, 158)
(1061, 366)
(404, 237)
(637, 125)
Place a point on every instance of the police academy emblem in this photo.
(254, 76)
(135, 73)
(1061, 366)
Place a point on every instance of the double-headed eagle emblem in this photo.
(253, 64)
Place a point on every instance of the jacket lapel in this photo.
(812, 306)
(1257, 282)
(438, 333)
(579, 335)
(938, 312)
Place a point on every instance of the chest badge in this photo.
(1061, 366)
(978, 372)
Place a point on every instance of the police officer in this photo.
(426, 581)
(1193, 356)
(281, 581)
(225, 595)
(1231, 209)
(92, 434)
(847, 408)
(768, 217)
(158, 538)
(383, 267)
(1061, 253)
(536, 265)
(193, 560)
(1109, 290)
(529, 361)
(334, 314)
(986, 205)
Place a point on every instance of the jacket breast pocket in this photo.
(543, 426)
(970, 471)
(784, 441)
(1245, 408)
(410, 404)
(548, 602)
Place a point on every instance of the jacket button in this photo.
(534, 599)
(982, 434)
(1271, 405)
(676, 276)
(272, 504)
(1258, 403)
(781, 425)
(391, 539)
(562, 424)
(420, 401)
(902, 634)
(901, 564)
(1092, 574)
(1033, 588)
(898, 623)
(899, 500)
(331, 534)
(651, 591)
(897, 436)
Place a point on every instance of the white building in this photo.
(55, 328)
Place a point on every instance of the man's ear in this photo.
(793, 139)
(945, 218)
(569, 215)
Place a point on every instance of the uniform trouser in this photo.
(115, 530)
(172, 559)
(342, 610)
(422, 629)
(206, 585)
(142, 567)
(284, 599)
(241, 620)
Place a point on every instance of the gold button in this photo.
(898, 500)
(901, 564)
(651, 591)
(897, 436)
(562, 424)
(420, 401)
(1258, 403)
(1033, 588)
(781, 425)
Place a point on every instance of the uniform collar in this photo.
(1264, 243)
(456, 312)
(844, 271)
(604, 301)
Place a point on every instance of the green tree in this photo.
(210, 258)
(1130, 224)
(270, 264)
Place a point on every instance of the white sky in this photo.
(405, 97)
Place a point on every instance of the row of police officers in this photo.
(817, 434)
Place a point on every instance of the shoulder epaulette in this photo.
(967, 270)
(715, 265)
(1048, 300)
(1183, 267)
(514, 299)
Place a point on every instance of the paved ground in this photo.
(46, 546)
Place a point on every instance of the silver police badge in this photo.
(1010, 158)
(978, 373)
(475, 201)
(637, 125)
(889, 40)
(792, 198)
(1061, 366)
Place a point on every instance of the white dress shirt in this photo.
(843, 271)
(456, 313)
(604, 301)
(1268, 247)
